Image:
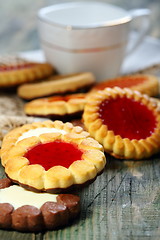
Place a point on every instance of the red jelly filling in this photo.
(122, 82)
(127, 118)
(53, 154)
(63, 98)
(5, 68)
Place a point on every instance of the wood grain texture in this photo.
(123, 203)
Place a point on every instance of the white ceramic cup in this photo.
(89, 36)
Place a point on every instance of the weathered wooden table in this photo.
(123, 202)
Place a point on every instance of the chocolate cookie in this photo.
(27, 211)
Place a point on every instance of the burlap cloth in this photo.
(11, 113)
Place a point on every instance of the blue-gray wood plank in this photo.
(123, 203)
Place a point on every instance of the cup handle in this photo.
(142, 16)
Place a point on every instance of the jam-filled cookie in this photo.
(125, 122)
(146, 84)
(57, 107)
(27, 211)
(15, 71)
(60, 84)
(51, 156)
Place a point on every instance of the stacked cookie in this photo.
(38, 209)
(45, 159)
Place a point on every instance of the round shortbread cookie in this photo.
(51, 156)
(57, 107)
(125, 122)
(15, 71)
(27, 211)
(146, 84)
(60, 84)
